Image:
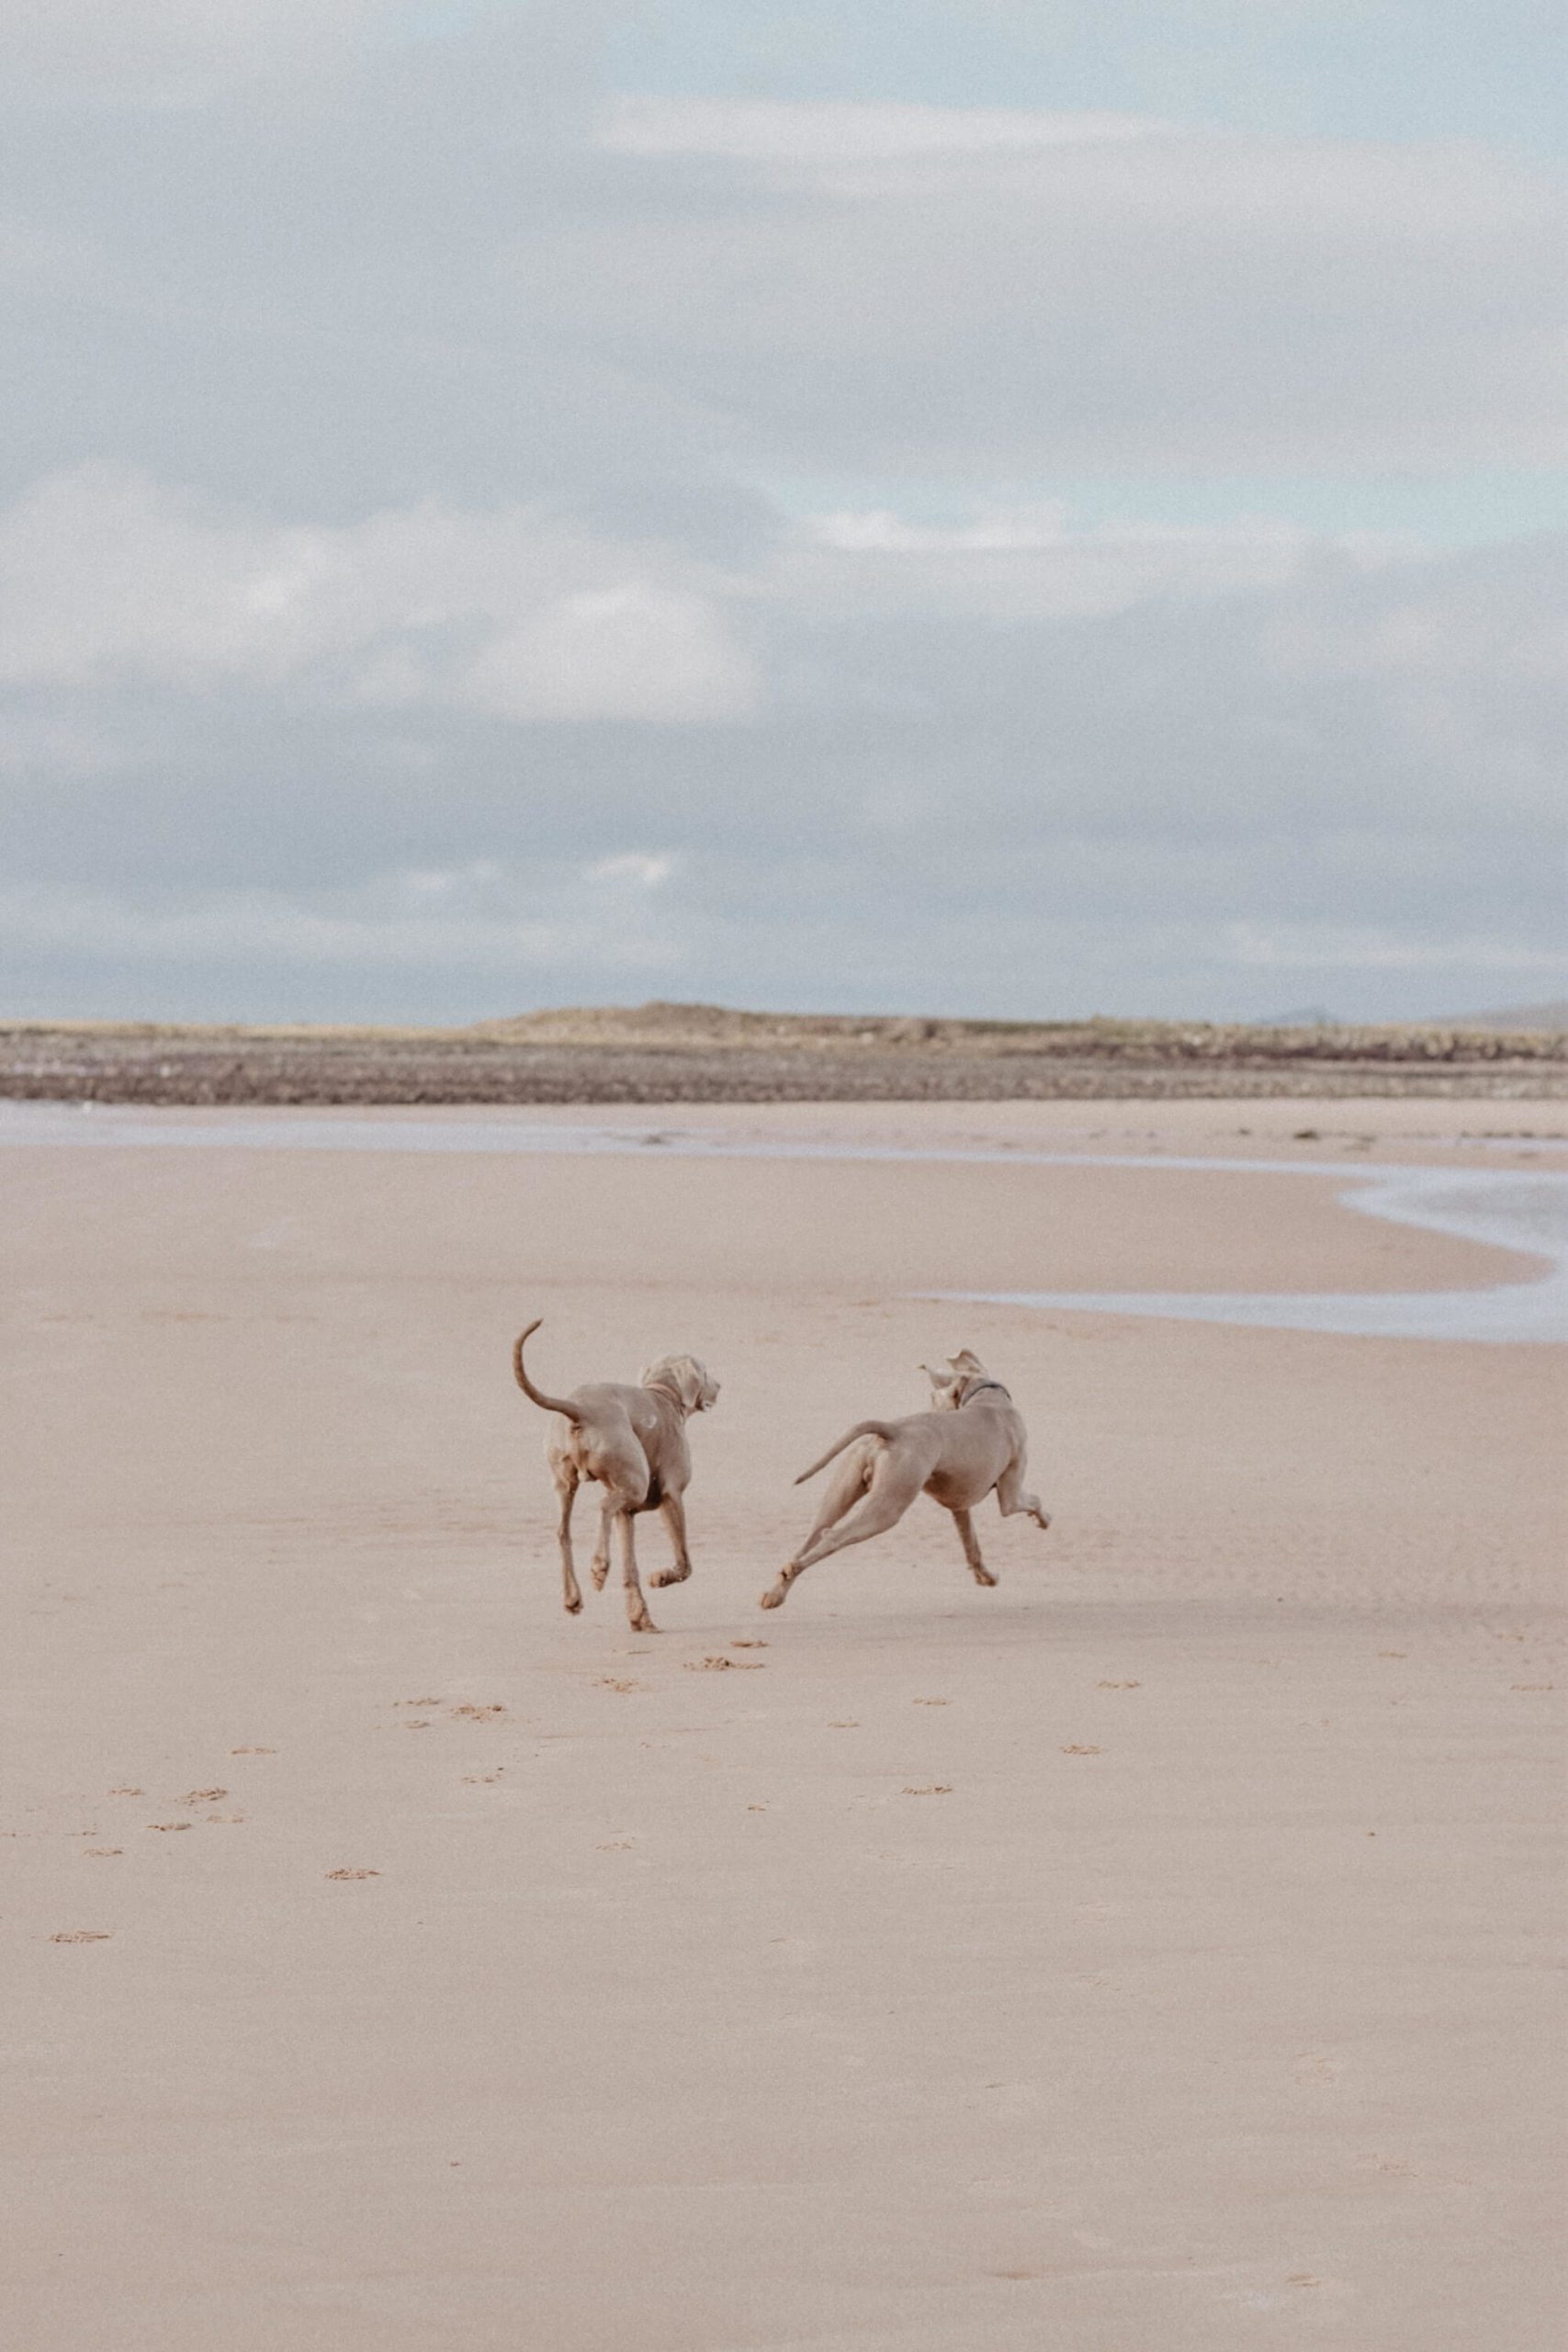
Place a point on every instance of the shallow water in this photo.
(1516, 1209)
(1511, 1209)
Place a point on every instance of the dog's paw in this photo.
(774, 1597)
(573, 1608)
(1042, 1519)
(982, 1575)
(668, 1576)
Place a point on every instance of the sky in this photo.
(1002, 508)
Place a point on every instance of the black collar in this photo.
(970, 1394)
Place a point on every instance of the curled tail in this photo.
(549, 1404)
(861, 1429)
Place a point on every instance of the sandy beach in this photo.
(1154, 1954)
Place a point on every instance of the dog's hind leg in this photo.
(566, 1490)
(1011, 1497)
(845, 1489)
(847, 1484)
(893, 1486)
(966, 1536)
(673, 1510)
(637, 1607)
(599, 1566)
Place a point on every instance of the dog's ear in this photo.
(967, 1363)
(692, 1381)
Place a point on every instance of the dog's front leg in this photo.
(1011, 1498)
(966, 1536)
(673, 1510)
(637, 1607)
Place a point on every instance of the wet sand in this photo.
(1152, 1955)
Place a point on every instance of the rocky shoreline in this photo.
(700, 1055)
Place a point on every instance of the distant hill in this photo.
(1516, 1017)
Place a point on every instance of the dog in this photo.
(632, 1442)
(970, 1444)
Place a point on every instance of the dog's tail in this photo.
(861, 1429)
(549, 1404)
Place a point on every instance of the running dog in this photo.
(970, 1444)
(632, 1442)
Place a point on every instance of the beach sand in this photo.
(1154, 1954)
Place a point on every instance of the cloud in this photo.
(42, 743)
(1023, 805)
(479, 919)
(1339, 947)
(1438, 625)
(631, 652)
(395, 613)
(460, 268)
(1028, 561)
(106, 576)
(633, 866)
(1182, 300)
(171, 53)
(831, 132)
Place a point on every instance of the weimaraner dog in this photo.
(970, 1443)
(633, 1441)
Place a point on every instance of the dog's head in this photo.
(952, 1383)
(686, 1377)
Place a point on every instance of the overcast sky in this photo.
(997, 507)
